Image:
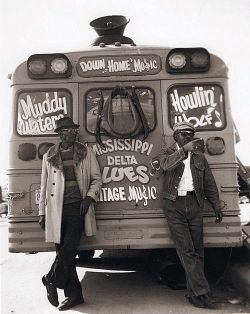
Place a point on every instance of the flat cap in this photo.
(183, 125)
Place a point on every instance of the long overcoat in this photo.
(88, 176)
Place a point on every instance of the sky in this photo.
(49, 26)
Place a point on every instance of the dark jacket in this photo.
(171, 161)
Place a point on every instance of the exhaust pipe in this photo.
(110, 30)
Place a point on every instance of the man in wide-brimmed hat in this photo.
(188, 179)
(70, 185)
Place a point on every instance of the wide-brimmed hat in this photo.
(65, 123)
(183, 125)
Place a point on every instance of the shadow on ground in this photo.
(162, 268)
(164, 265)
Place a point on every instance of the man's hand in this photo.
(199, 145)
(42, 221)
(188, 147)
(219, 217)
(85, 205)
(196, 144)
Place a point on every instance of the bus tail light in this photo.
(177, 60)
(59, 65)
(188, 60)
(48, 66)
(37, 67)
(199, 59)
(215, 145)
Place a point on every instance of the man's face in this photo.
(183, 137)
(68, 135)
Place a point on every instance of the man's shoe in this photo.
(51, 291)
(68, 303)
(208, 304)
(196, 301)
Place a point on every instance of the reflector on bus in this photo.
(43, 148)
(215, 145)
(48, 66)
(27, 151)
(188, 60)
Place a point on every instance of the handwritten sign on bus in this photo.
(119, 65)
(202, 105)
(37, 111)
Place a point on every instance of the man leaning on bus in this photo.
(70, 184)
(188, 180)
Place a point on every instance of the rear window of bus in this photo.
(37, 111)
(120, 106)
(201, 104)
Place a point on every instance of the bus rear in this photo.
(126, 99)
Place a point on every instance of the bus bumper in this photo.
(126, 234)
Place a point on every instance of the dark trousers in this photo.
(185, 222)
(63, 271)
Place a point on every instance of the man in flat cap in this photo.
(188, 180)
(70, 184)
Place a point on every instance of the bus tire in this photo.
(86, 255)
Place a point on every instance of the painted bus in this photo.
(126, 98)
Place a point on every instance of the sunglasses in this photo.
(65, 131)
(186, 133)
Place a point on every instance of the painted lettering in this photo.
(118, 66)
(203, 120)
(142, 65)
(134, 194)
(142, 193)
(37, 117)
(33, 110)
(92, 65)
(112, 194)
(133, 145)
(198, 98)
(38, 126)
(117, 174)
(121, 160)
(200, 105)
